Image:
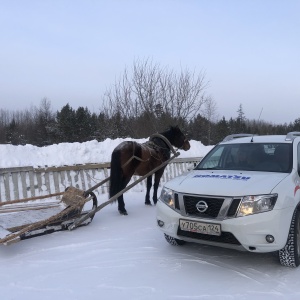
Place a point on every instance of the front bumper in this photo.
(243, 233)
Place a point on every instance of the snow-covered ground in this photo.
(126, 257)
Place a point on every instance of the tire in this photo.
(174, 242)
(289, 256)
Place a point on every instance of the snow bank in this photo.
(74, 153)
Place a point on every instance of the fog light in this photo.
(270, 238)
(160, 223)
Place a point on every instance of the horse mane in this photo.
(170, 135)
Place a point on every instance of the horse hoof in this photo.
(148, 203)
(123, 212)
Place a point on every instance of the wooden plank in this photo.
(174, 169)
(47, 181)
(24, 185)
(15, 185)
(16, 170)
(167, 173)
(82, 180)
(56, 181)
(27, 206)
(106, 175)
(31, 183)
(74, 168)
(39, 182)
(62, 175)
(70, 182)
(7, 186)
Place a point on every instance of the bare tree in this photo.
(156, 94)
(44, 122)
(210, 114)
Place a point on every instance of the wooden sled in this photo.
(27, 220)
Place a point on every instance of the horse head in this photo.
(178, 139)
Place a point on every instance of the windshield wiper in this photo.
(212, 168)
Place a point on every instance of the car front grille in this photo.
(214, 206)
(233, 207)
(217, 207)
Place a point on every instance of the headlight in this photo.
(167, 196)
(256, 204)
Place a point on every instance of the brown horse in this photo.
(131, 158)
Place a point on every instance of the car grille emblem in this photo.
(202, 206)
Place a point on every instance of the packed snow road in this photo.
(127, 257)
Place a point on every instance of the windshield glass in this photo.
(268, 157)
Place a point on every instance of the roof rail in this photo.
(292, 135)
(237, 135)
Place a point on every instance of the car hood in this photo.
(226, 183)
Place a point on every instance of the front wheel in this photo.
(173, 241)
(289, 256)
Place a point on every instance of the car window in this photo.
(269, 157)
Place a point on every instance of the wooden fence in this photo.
(26, 182)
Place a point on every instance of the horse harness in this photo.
(153, 149)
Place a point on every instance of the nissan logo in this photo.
(202, 206)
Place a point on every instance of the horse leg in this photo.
(121, 206)
(149, 185)
(157, 177)
(122, 169)
(121, 203)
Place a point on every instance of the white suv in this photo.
(244, 194)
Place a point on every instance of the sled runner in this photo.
(27, 220)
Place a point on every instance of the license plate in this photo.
(200, 227)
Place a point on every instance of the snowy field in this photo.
(126, 257)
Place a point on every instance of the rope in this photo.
(134, 157)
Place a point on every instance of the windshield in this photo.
(268, 157)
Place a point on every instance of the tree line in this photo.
(146, 99)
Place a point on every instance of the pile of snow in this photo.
(74, 153)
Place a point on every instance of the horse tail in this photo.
(116, 174)
(120, 173)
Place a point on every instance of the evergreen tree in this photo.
(83, 124)
(296, 125)
(240, 126)
(197, 129)
(66, 124)
(13, 135)
(222, 130)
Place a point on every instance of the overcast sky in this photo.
(72, 51)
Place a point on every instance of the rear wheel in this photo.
(173, 241)
(289, 256)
